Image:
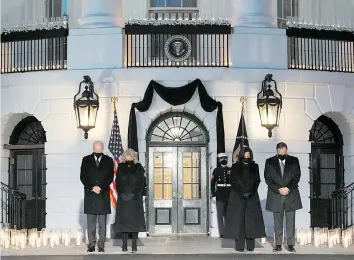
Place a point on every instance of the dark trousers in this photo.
(240, 242)
(134, 240)
(91, 229)
(221, 207)
(290, 225)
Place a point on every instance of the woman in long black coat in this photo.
(244, 218)
(130, 184)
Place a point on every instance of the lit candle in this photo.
(263, 240)
(78, 238)
(38, 242)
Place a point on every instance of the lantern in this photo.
(269, 105)
(86, 107)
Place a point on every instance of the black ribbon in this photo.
(175, 97)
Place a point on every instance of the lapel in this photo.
(286, 167)
(277, 166)
(93, 159)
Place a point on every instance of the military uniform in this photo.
(220, 188)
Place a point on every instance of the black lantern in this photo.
(269, 105)
(86, 107)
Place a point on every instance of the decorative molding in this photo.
(293, 22)
(45, 24)
(219, 22)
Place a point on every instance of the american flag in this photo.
(116, 148)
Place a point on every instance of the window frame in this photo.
(150, 8)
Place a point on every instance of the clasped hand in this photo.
(284, 191)
(96, 190)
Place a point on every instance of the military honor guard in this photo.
(220, 189)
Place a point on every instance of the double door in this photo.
(177, 190)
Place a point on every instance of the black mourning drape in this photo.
(175, 97)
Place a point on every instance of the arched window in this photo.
(177, 128)
(326, 169)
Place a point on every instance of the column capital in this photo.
(100, 13)
(256, 13)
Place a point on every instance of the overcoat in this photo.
(101, 176)
(275, 181)
(243, 212)
(130, 184)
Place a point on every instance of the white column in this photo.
(100, 13)
(255, 13)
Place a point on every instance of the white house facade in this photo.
(113, 43)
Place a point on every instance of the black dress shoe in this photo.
(291, 249)
(250, 249)
(91, 248)
(277, 249)
(240, 250)
(124, 249)
(100, 249)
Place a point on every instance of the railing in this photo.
(320, 49)
(178, 45)
(343, 207)
(12, 202)
(40, 47)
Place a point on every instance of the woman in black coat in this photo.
(244, 218)
(130, 182)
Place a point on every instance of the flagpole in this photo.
(243, 100)
(114, 100)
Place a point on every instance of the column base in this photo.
(98, 21)
(95, 48)
(255, 21)
(259, 48)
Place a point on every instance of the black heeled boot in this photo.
(134, 242)
(125, 242)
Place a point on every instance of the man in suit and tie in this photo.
(282, 174)
(97, 171)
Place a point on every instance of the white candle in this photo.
(23, 242)
(78, 238)
(38, 242)
(52, 241)
(45, 239)
(263, 240)
(7, 243)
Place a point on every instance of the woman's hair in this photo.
(245, 150)
(130, 152)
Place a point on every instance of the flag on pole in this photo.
(241, 137)
(116, 148)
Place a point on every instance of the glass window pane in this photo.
(187, 175)
(195, 192)
(195, 159)
(187, 191)
(158, 176)
(167, 191)
(287, 8)
(157, 3)
(195, 175)
(167, 159)
(280, 8)
(158, 192)
(187, 162)
(189, 3)
(167, 175)
(327, 160)
(157, 159)
(173, 3)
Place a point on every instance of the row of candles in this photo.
(324, 236)
(22, 238)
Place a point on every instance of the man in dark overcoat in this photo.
(97, 171)
(282, 174)
(220, 189)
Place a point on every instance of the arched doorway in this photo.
(326, 169)
(178, 183)
(27, 171)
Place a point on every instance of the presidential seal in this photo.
(178, 48)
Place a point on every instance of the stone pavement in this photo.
(179, 247)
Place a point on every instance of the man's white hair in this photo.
(100, 143)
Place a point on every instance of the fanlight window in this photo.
(177, 129)
(321, 134)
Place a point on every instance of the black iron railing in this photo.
(320, 50)
(12, 205)
(177, 46)
(37, 50)
(343, 207)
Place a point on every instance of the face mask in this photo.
(282, 157)
(98, 155)
(223, 162)
(246, 160)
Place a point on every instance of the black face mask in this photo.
(246, 160)
(98, 155)
(282, 157)
(223, 162)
